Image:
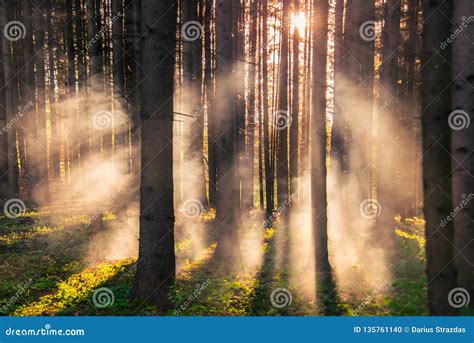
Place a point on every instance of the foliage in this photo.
(58, 282)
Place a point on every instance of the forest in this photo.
(236, 158)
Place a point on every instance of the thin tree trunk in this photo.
(80, 142)
(269, 172)
(248, 192)
(40, 28)
(318, 145)
(54, 111)
(412, 107)
(260, 112)
(132, 31)
(227, 15)
(28, 95)
(295, 113)
(283, 120)
(387, 192)
(71, 81)
(210, 95)
(9, 89)
(4, 163)
(95, 81)
(194, 183)
(338, 130)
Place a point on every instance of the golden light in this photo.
(298, 21)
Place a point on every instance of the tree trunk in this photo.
(338, 129)
(436, 104)
(132, 32)
(386, 190)
(412, 109)
(227, 183)
(194, 183)
(9, 88)
(54, 111)
(3, 116)
(156, 266)
(249, 174)
(39, 20)
(28, 96)
(283, 115)
(462, 147)
(318, 144)
(269, 171)
(295, 114)
(95, 81)
(210, 95)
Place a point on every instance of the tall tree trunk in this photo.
(240, 102)
(156, 266)
(463, 146)
(318, 146)
(386, 190)
(132, 32)
(269, 171)
(95, 81)
(227, 15)
(260, 101)
(80, 143)
(338, 129)
(9, 89)
(248, 188)
(29, 96)
(210, 96)
(39, 20)
(436, 104)
(412, 107)
(295, 113)
(194, 183)
(3, 116)
(360, 68)
(305, 159)
(70, 81)
(54, 111)
(283, 120)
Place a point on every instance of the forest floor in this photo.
(44, 273)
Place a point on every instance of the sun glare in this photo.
(298, 20)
